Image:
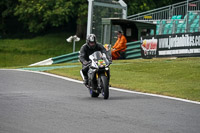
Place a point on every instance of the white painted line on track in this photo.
(112, 88)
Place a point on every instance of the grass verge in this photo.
(21, 52)
(172, 77)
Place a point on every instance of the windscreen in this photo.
(97, 55)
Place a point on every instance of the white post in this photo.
(186, 27)
(124, 11)
(74, 45)
(90, 13)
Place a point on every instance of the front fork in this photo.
(98, 82)
(107, 74)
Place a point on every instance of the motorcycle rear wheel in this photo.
(105, 87)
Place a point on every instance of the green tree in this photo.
(38, 14)
(6, 10)
(135, 6)
(80, 11)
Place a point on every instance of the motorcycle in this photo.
(98, 75)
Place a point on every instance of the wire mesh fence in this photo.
(168, 11)
(104, 9)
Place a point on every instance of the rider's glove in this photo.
(110, 61)
(86, 63)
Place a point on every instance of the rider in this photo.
(86, 50)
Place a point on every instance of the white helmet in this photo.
(91, 38)
(91, 41)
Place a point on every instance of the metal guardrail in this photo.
(133, 50)
(72, 57)
(168, 11)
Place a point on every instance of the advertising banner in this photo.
(177, 45)
(149, 47)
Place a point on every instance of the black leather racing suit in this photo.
(85, 52)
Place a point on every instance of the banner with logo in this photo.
(187, 44)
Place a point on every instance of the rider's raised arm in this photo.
(103, 50)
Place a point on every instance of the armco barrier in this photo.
(72, 57)
(133, 50)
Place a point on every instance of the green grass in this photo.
(178, 77)
(172, 77)
(21, 52)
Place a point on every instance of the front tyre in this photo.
(93, 94)
(105, 87)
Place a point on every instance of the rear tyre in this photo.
(105, 87)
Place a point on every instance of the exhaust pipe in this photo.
(82, 74)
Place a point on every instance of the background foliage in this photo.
(41, 16)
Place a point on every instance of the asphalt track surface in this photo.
(37, 103)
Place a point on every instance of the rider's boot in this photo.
(85, 81)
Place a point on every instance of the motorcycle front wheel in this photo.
(105, 87)
(93, 94)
